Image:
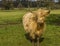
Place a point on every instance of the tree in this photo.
(11, 4)
(19, 4)
(37, 2)
(4, 4)
(51, 4)
(7, 4)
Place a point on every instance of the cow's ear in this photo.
(48, 14)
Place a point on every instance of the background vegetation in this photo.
(11, 4)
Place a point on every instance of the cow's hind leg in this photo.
(38, 41)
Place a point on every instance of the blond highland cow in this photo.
(34, 23)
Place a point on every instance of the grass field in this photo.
(12, 32)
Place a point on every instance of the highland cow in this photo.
(34, 23)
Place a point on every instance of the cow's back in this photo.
(28, 22)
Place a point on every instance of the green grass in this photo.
(12, 31)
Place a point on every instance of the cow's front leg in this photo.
(33, 43)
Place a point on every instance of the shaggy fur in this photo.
(34, 22)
